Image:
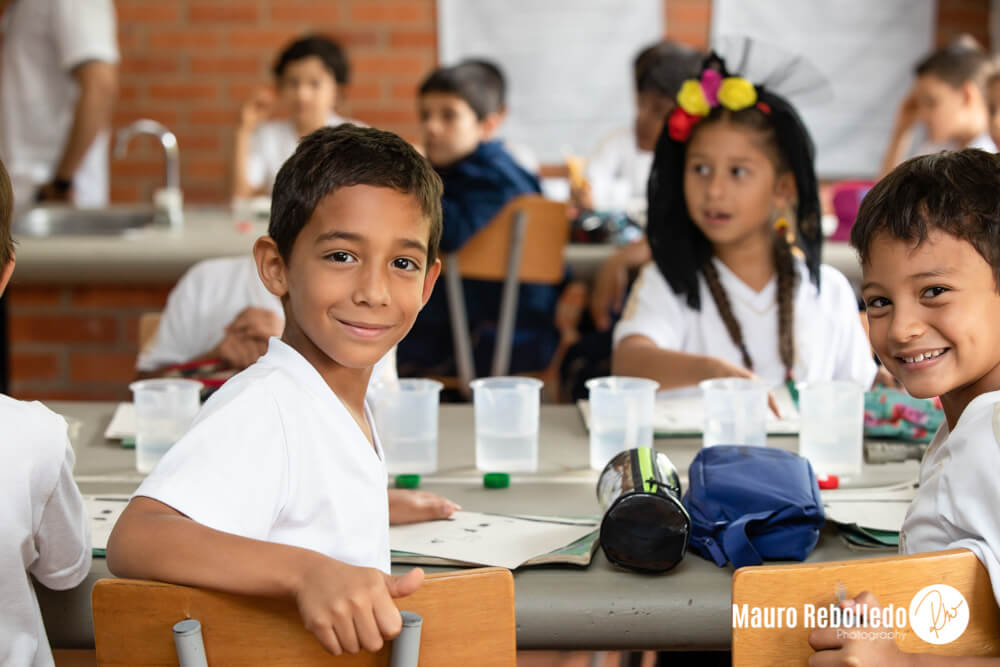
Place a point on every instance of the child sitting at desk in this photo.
(46, 532)
(929, 239)
(278, 488)
(458, 110)
(308, 75)
(728, 294)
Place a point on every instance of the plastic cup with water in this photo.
(164, 409)
(735, 412)
(621, 416)
(506, 410)
(831, 434)
(406, 417)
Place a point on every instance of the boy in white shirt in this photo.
(929, 239)
(45, 526)
(279, 486)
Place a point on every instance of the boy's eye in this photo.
(877, 302)
(405, 263)
(932, 292)
(341, 256)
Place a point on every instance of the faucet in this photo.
(168, 200)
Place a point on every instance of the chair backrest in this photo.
(468, 619)
(894, 580)
(148, 324)
(484, 256)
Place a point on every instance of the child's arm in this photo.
(63, 536)
(348, 608)
(638, 356)
(407, 506)
(252, 114)
(902, 134)
(835, 646)
(611, 282)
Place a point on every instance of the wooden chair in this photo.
(894, 580)
(523, 244)
(148, 324)
(468, 619)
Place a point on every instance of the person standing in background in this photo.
(58, 82)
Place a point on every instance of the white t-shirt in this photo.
(274, 455)
(274, 142)
(958, 500)
(45, 528)
(618, 172)
(830, 343)
(44, 40)
(204, 301)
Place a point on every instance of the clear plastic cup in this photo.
(406, 417)
(506, 410)
(735, 412)
(831, 434)
(164, 409)
(621, 416)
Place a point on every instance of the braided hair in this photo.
(681, 250)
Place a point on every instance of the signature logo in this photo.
(939, 614)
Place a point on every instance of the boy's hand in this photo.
(856, 646)
(725, 369)
(257, 109)
(406, 506)
(350, 608)
(245, 339)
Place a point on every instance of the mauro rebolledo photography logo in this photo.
(937, 614)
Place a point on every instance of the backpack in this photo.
(750, 503)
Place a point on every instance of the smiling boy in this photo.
(279, 486)
(929, 240)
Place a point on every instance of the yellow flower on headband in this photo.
(691, 98)
(737, 93)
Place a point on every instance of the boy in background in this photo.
(457, 107)
(928, 235)
(46, 534)
(278, 488)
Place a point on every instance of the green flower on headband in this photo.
(737, 93)
(691, 98)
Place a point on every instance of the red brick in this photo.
(144, 65)
(183, 91)
(229, 13)
(132, 169)
(425, 39)
(386, 118)
(122, 117)
(225, 117)
(392, 12)
(62, 329)
(125, 193)
(405, 91)
(208, 169)
(393, 64)
(21, 296)
(356, 38)
(101, 366)
(208, 143)
(268, 40)
(309, 14)
(154, 14)
(226, 65)
(34, 366)
(362, 91)
(182, 39)
(152, 297)
(240, 92)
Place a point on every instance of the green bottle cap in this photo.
(407, 481)
(496, 480)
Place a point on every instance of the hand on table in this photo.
(408, 506)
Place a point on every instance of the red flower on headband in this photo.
(680, 123)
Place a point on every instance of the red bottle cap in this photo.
(828, 481)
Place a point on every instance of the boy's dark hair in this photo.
(6, 209)
(338, 157)
(470, 81)
(662, 67)
(682, 251)
(961, 61)
(957, 192)
(494, 77)
(330, 52)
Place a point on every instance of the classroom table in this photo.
(599, 607)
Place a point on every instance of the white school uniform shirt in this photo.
(274, 455)
(618, 171)
(204, 301)
(44, 528)
(830, 343)
(274, 142)
(43, 41)
(957, 503)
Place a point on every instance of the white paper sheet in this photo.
(881, 508)
(122, 423)
(488, 539)
(103, 511)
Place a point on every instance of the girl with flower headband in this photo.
(736, 288)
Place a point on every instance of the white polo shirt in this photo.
(618, 171)
(274, 142)
(204, 301)
(830, 343)
(958, 500)
(44, 528)
(274, 455)
(43, 41)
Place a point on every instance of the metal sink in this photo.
(69, 221)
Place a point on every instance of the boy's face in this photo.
(450, 127)
(934, 316)
(309, 90)
(940, 107)
(993, 103)
(357, 275)
(651, 111)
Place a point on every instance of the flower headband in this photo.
(697, 98)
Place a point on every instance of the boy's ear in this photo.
(970, 91)
(5, 274)
(433, 271)
(490, 124)
(270, 266)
